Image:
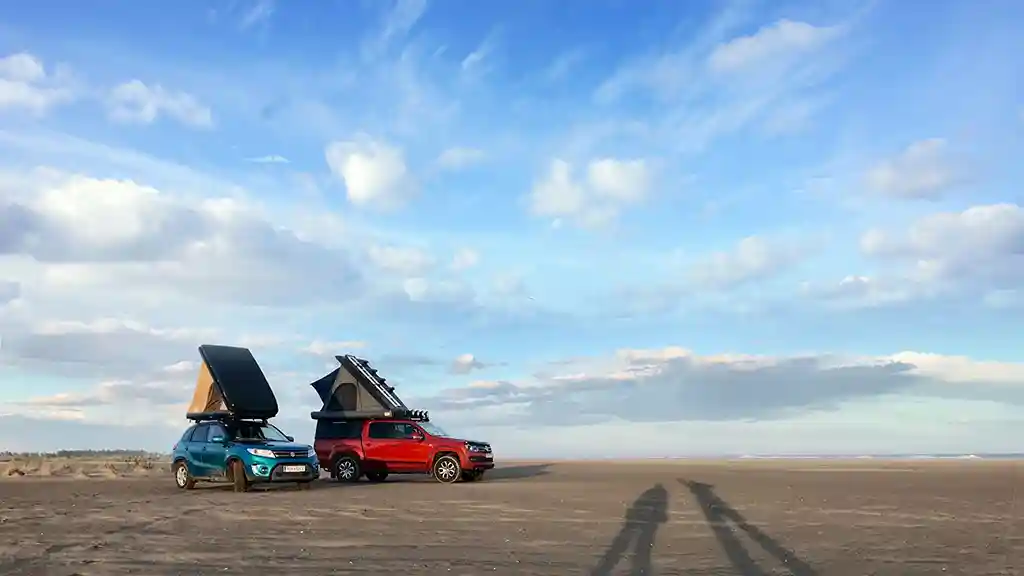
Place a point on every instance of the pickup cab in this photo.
(377, 447)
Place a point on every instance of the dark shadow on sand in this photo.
(718, 513)
(638, 529)
(514, 472)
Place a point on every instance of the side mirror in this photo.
(218, 439)
(290, 438)
(417, 437)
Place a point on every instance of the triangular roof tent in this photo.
(354, 391)
(231, 383)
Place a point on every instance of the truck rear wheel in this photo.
(346, 469)
(447, 469)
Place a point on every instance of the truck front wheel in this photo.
(447, 469)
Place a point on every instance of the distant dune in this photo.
(41, 467)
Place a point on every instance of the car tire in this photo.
(377, 476)
(346, 469)
(238, 478)
(182, 477)
(447, 469)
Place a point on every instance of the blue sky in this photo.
(797, 224)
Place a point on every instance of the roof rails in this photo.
(355, 391)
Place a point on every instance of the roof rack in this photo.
(344, 415)
(219, 416)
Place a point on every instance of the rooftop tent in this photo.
(230, 382)
(355, 390)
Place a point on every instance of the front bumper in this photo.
(480, 462)
(260, 470)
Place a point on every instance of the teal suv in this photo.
(242, 452)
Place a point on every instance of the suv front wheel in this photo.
(447, 469)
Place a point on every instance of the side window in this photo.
(406, 430)
(199, 434)
(327, 430)
(351, 430)
(187, 436)
(382, 430)
(216, 430)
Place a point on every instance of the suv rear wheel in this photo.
(346, 469)
(182, 477)
(238, 478)
(447, 469)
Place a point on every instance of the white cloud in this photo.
(260, 12)
(374, 173)
(464, 259)
(981, 247)
(407, 261)
(923, 170)
(674, 384)
(782, 40)
(330, 349)
(25, 84)
(106, 236)
(459, 157)
(269, 159)
(466, 363)
(610, 186)
(753, 258)
(717, 83)
(136, 102)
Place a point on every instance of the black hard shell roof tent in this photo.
(231, 384)
(355, 391)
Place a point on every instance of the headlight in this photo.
(311, 453)
(263, 452)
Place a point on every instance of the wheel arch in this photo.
(445, 452)
(229, 465)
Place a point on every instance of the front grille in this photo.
(481, 459)
(289, 454)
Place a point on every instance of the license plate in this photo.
(294, 468)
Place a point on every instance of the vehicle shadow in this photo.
(639, 527)
(718, 514)
(516, 472)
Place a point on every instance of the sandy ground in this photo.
(747, 518)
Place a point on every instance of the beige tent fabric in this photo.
(206, 398)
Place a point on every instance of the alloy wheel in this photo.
(447, 470)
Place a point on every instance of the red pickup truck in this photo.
(378, 447)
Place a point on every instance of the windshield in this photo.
(256, 431)
(433, 430)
